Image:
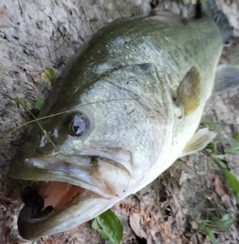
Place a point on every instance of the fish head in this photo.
(104, 142)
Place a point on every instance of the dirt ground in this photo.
(35, 34)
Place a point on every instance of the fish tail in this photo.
(210, 8)
(227, 79)
(227, 76)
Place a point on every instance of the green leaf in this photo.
(235, 146)
(212, 146)
(225, 222)
(234, 183)
(23, 102)
(48, 75)
(217, 159)
(107, 238)
(38, 104)
(186, 2)
(212, 126)
(95, 225)
(110, 225)
(210, 234)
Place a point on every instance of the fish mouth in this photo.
(44, 215)
(74, 195)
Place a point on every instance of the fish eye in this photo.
(78, 124)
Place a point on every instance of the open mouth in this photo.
(46, 198)
(54, 207)
(61, 194)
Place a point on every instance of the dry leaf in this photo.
(50, 241)
(219, 187)
(30, 78)
(134, 222)
(5, 21)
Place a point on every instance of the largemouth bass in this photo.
(125, 108)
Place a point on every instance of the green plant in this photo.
(231, 178)
(211, 225)
(110, 226)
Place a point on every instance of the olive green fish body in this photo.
(173, 47)
(124, 109)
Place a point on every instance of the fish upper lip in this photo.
(64, 171)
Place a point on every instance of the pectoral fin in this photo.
(227, 78)
(188, 93)
(199, 141)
